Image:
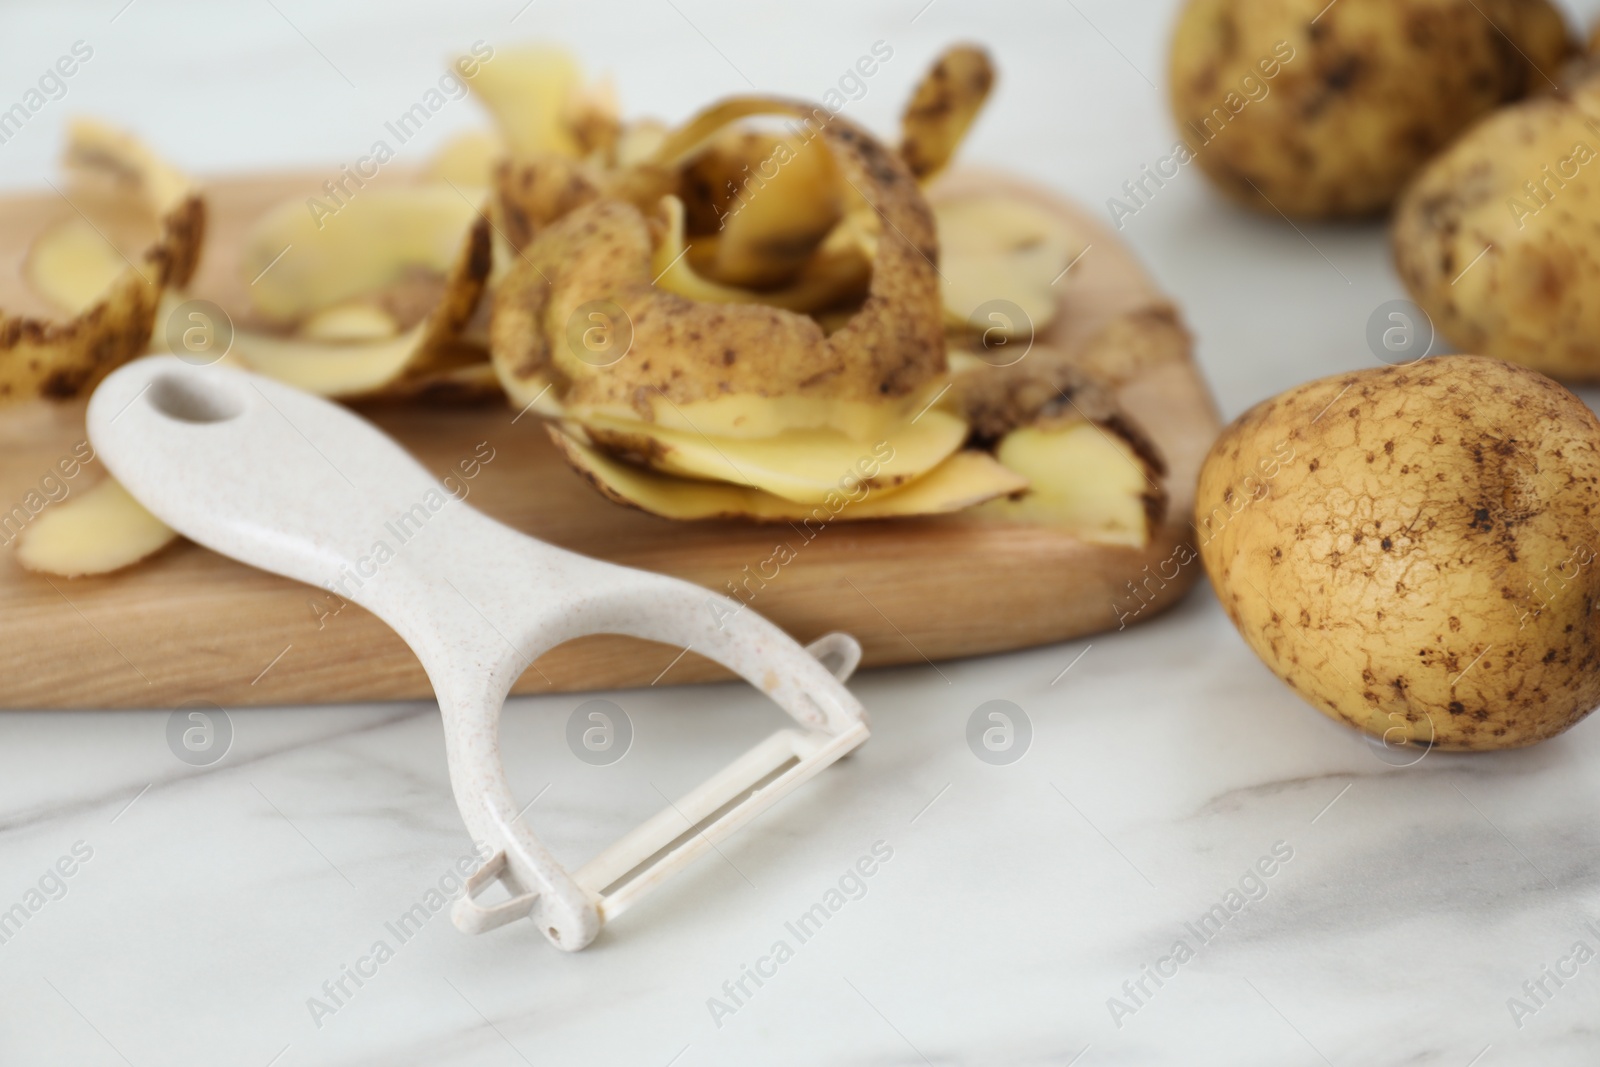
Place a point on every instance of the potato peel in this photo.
(541, 104)
(889, 350)
(943, 107)
(1092, 470)
(1083, 478)
(103, 529)
(962, 481)
(802, 465)
(774, 199)
(529, 195)
(73, 265)
(997, 247)
(837, 271)
(62, 359)
(298, 265)
(395, 365)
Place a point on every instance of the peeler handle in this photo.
(299, 486)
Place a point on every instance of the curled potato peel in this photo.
(1083, 478)
(73, 265)
(942, 108)
(60, 359)
(770, 213)
(886, 352)
(541, 104)
(836, 271)
(332, 364)
(369, 244)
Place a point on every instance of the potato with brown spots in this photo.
(1323, 110)
(1414, 549)
(1495, 239)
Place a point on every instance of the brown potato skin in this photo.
(684, 351)
(1373, 90)
(1411, 549)
(1530, 298)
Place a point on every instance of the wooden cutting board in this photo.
(191, 625)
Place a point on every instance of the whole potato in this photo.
(1495, 238)
(1326, 110)
(1412, 549)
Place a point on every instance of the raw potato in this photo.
(100, 530)
(1493, 238)
(1413, 549)
(1326, 110)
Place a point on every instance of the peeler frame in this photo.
(645, 858)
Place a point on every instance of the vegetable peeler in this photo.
(296, 485)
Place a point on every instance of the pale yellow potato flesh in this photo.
(354, 321)
(329, 368)
(963, 480)
(98, 148)
(347, 347)
(839, 268)
(100, 530)
(541, 103)
(371, 243)
(999, 247)
(72, 265)
(1082, 479)
(779, 214)
(803, 465)
(468, 159)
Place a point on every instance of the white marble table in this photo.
(1021, 914)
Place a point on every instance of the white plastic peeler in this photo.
(299, 486)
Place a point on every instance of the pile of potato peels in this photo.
(765, 313)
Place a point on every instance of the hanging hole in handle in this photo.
(187, 399)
